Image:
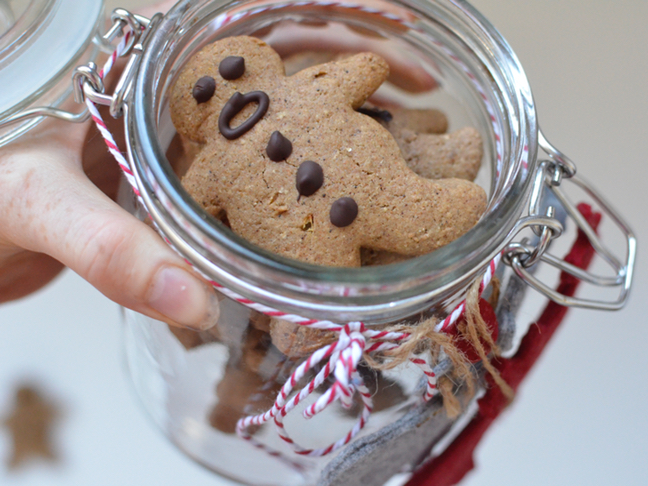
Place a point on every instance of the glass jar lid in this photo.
(40, 41)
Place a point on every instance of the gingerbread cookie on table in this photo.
(297, 170)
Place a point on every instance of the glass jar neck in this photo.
(457, 37)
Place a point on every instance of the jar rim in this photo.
(350, 292)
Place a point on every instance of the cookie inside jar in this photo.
(365, 154)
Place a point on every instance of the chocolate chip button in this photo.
(204, 89)
(343, 212)
(232, 67)
(310, 177)
(279, 147)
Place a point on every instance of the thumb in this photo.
(118, 254)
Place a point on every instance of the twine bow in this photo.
(342, 358)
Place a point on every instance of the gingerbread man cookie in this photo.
(297, 170)
(426, 148)
(437, 155)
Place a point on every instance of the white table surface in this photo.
(581, 417)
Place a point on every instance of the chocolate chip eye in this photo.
(204, 89)
(279, 147)
(310, 177)
(343, 212)
(232, 67)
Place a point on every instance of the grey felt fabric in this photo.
(507, 308)
(373, 459)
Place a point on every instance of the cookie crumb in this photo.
(308, 223)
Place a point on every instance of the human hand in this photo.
(56, 212)
(57, 190)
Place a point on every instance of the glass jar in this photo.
(41, 42)
(196, 386)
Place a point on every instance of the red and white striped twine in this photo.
(96, 117)
(339, 359)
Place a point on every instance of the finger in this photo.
(289, 38)
(56, 210)
(151, 10)
(405, 72)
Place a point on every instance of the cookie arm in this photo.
(419, 215)
(200, 183)
(356, 77)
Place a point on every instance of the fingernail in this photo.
(184, 299)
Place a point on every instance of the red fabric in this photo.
(456, 461)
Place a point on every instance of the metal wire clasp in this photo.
(88, 82)
(522, 256)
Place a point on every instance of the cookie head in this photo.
(298, 171)
(213, 76)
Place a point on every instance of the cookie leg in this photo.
(419, 215)
(297, 341)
